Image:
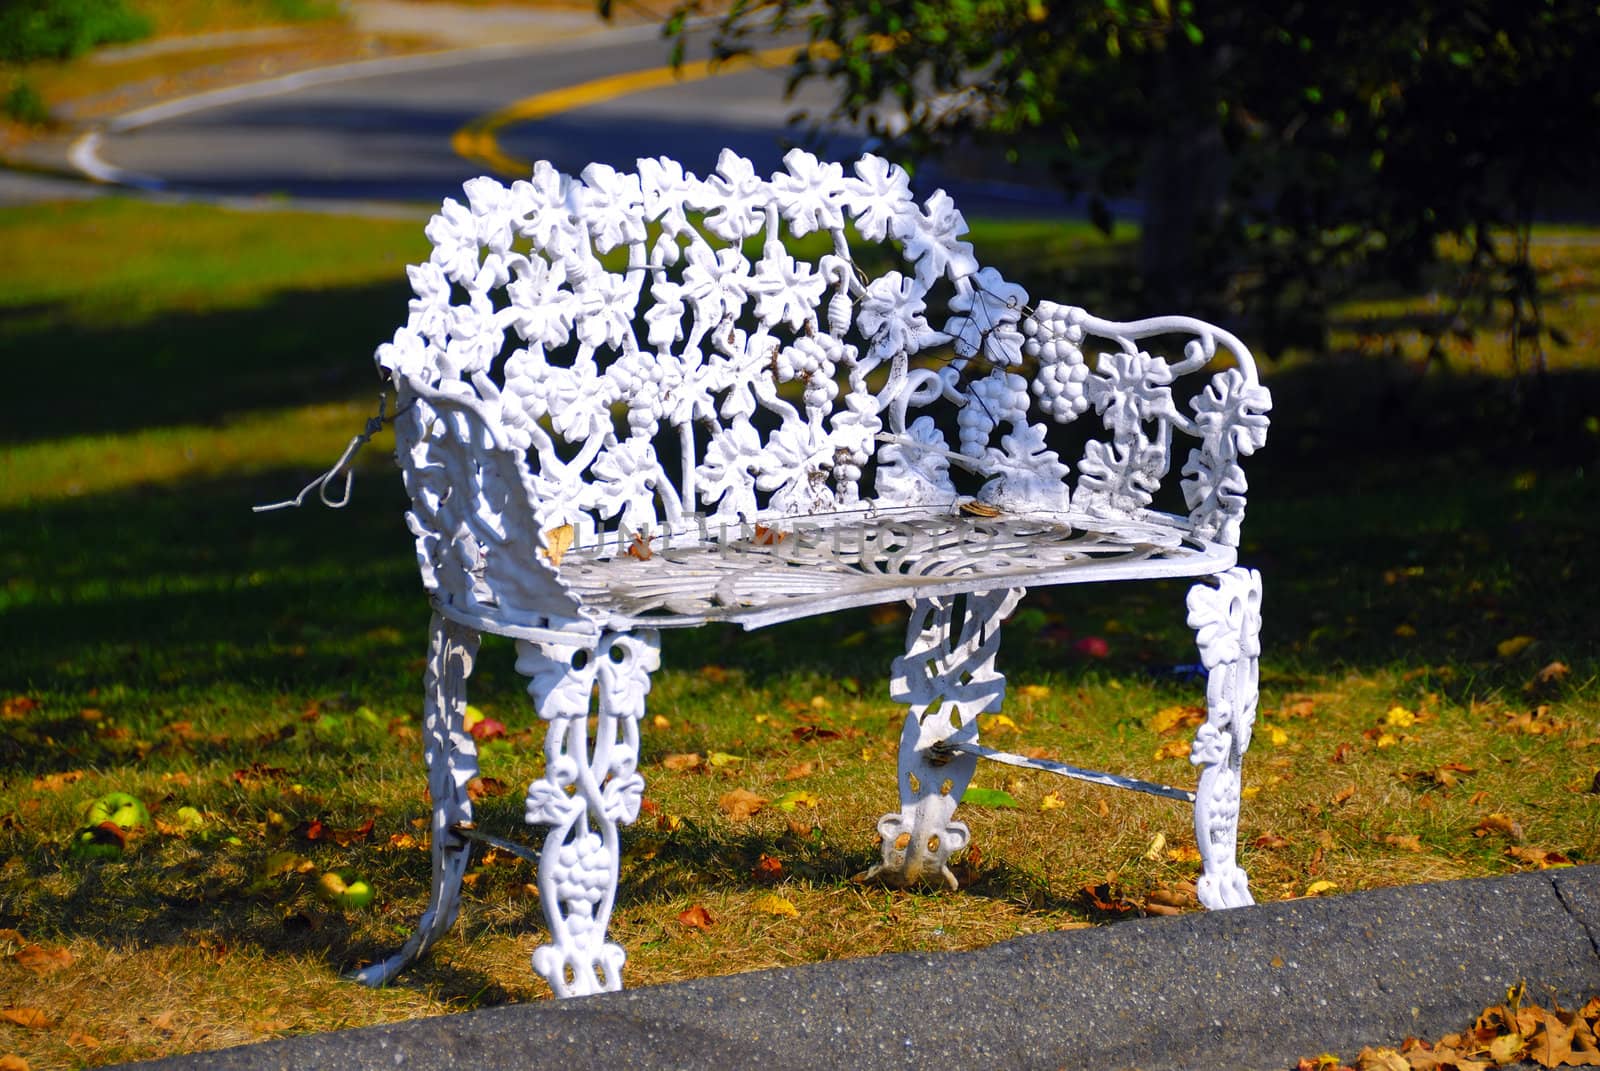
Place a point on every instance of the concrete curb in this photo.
(1256, 988)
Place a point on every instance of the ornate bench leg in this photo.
(452, 758)
(1227, 620)
(947, 676)
(586, 792)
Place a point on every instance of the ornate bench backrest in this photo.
(631, 350)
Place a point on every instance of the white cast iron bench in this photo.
(625, 404)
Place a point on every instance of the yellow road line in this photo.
(479, 140)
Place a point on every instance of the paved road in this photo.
(385, 134)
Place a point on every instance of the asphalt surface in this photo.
(1254, 988)
(380, 132)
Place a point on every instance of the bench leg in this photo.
(588, 790)
(947, 677)
(452, 758)
(1227, 621)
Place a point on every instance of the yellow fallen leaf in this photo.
(773, 904)
(720, 759)
(1514, 646)
(1400, 718)
(1158, 844)
(797, 798)
(1052, 802)
(1376, 1059)
(660, 723)
(1034, 691)
(1404, 631)
(1317, 888)
(1250, 793)
(1172, 749)
(1169, 718)
(996, 723)
(557, 541)
(1184, 853)
(1277, 736)
(32, 1018)
(12, 1062)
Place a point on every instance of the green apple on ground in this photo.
(121, 810)
(101, 841)
(344, 888)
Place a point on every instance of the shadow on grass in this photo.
(299, 347)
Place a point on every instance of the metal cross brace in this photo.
(1061, 768)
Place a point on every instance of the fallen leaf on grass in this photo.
(1034, 691)
(1182, 717)
(1105, 896)
(1158, 844)
(57, 781)
(683, 761)
(1552, 674)
(696, 918)
(481, 788)
(773, 904)
(1536, 722)
(1052, 802)
(1445, 775)
(32, 1018)
(1317, 888)
(796, 798)
(487, 728)
(989, 797)
(1514, 646)
(1183, 853)
(1500, 823)
(741, 803)
(12, 1062)
(41, 960)
(808, 731)
(996, 723)
(1270, 841)
(1543, 858)
(1409, 842)
(1400, 718)
(162, 1022)
(1174, 900)
(13, 708)
(768, 870)
(719, 759)
(1344, 794)
(799, 770)
(1172, 749)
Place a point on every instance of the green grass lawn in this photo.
(1430, 699)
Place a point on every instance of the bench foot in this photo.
(1227, 622)
(452, 758)
(947, 677)
(588, 790)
